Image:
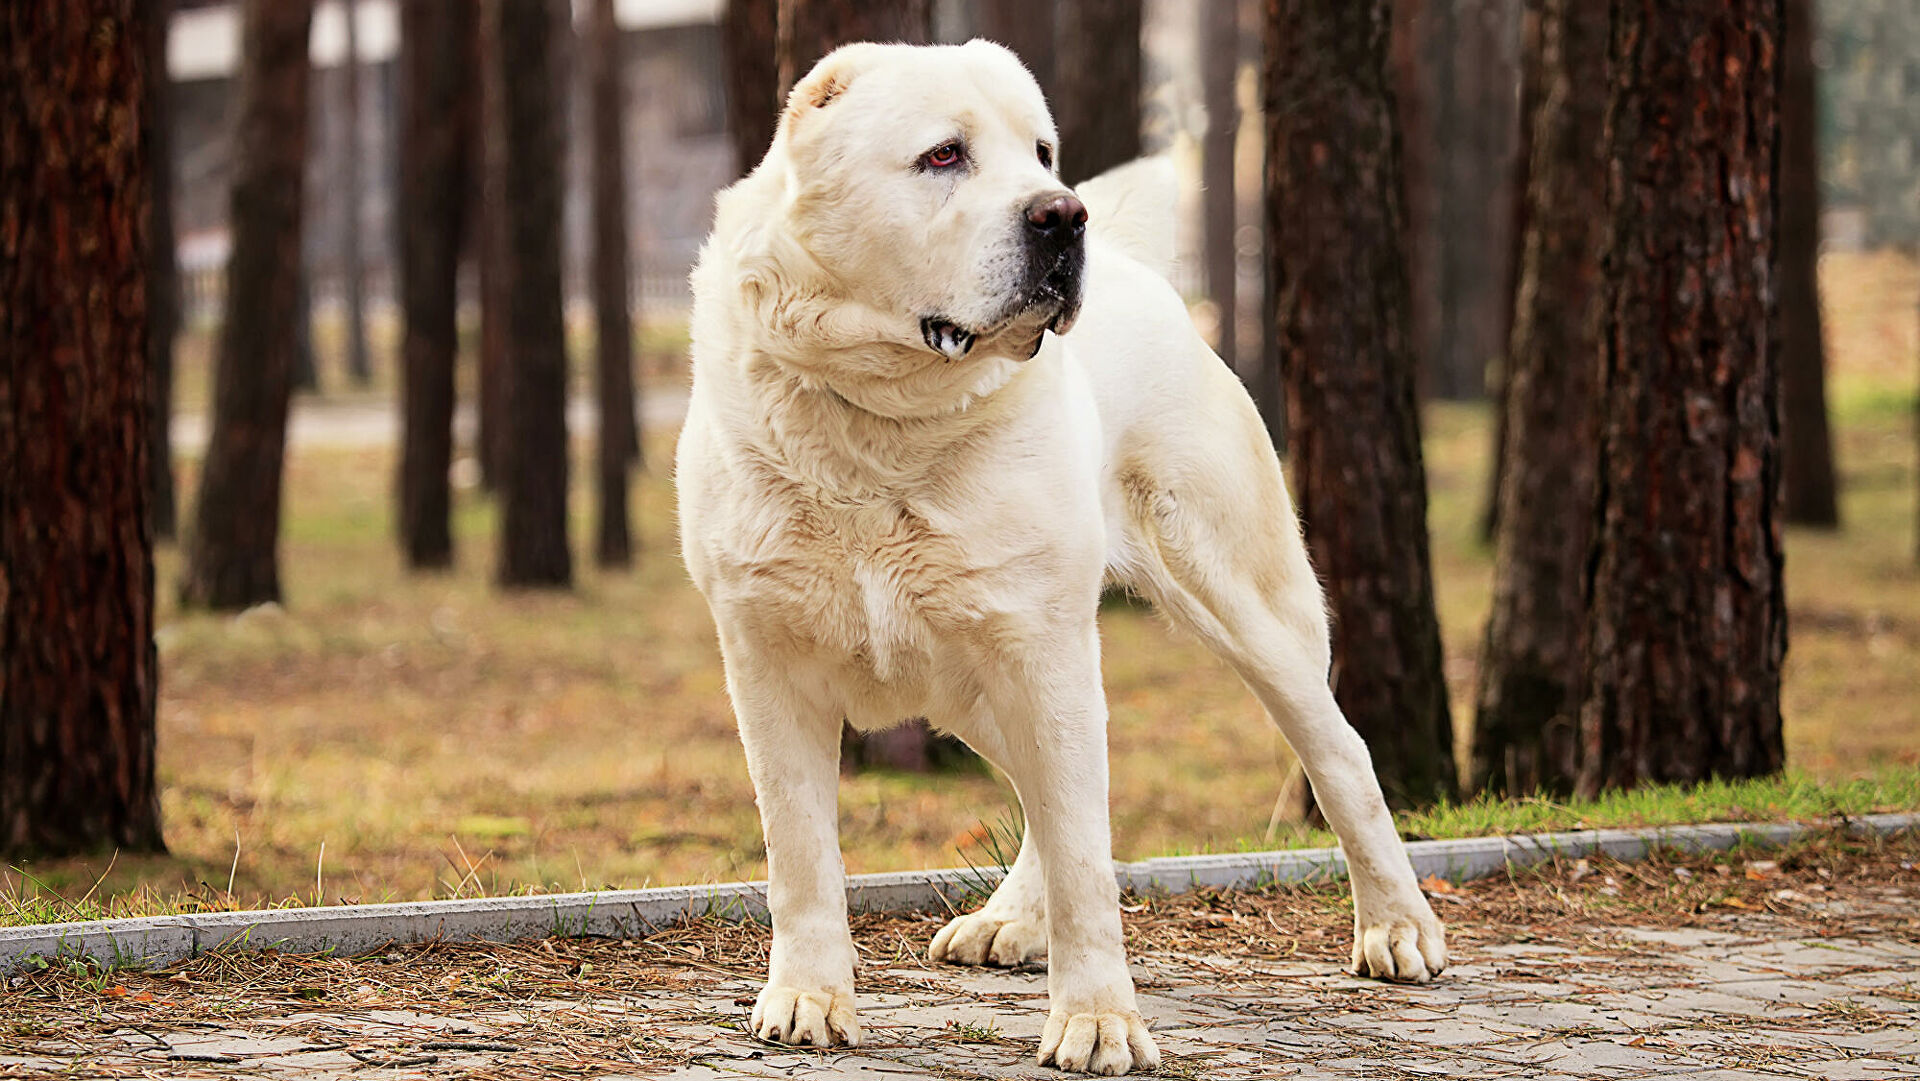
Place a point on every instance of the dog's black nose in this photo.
(1057, 217)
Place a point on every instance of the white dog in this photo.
(910, 460)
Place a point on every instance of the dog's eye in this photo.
(1044, 153)
(944, 156)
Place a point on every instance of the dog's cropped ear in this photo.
(827, 81)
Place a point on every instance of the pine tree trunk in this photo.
(232, 556)
(619, 428)
(306, 370)
(1220, 70)
(78, 670)
(1529, 688)
(438, 136)
(533, 479)
(163, 274)
(1688, 623)
(1412, 57)
(748, 30)
(496, 281)
(1027, 27)
(1807, 456)
(1336, 224)
(810, 29)
(1099, 73)
(1475, 130)
(352, 257)
(1501, 377)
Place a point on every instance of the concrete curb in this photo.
(162, 940)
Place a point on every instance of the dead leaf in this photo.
(1436, 884)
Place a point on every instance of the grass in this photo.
(439, 738)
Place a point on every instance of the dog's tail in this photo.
(1132, 207)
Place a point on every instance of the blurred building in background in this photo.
(1869, 56)
(676, 118)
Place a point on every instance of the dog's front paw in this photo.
(1406, 946)
(806, 1018)
(1108, 1044)
(979, 938)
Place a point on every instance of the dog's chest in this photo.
(877, 585)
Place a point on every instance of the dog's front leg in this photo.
(1055, 751)
(793, 755)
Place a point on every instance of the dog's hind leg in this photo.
(1210, 538)
(1011, 928)
(792, 740)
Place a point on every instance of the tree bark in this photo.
(533, 479)
(232, 557)
(1412, 56)
(619, 427)
(810, 29)
(1027, 27)
(748, 31)
(78, 670)
(1220, 70)
(1099, 72)
(1529, 686)
(1807, 456)
(353, 260)
(1519, 169)
(438, 126)
(163, 274)
(1335, 221)
(1688, 623)
(496, 282)
(1475, 126)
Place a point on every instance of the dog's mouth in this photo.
(1056, 294)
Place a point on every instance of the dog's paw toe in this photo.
(1409, 947)
(1107, 1044)
(981, 939)
(806, 1018)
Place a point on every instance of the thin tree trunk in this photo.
(1529, 687)
(1412, 56)
(163, 288)
(810, 29)
(78, 670)
(439, 126)
(1807, 456)
(1027, 27)
(352, 257)
(1099, 73)
(748, 30)
(1336, 224)
(306, 371)
(1476, 125)
(232, 556)
(496, 272)
(619, 428)
(533, 480)
(1220, 70)
(1501, 377)
(1688, 623)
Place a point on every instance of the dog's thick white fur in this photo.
(901, 488)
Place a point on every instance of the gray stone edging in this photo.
(161, 940)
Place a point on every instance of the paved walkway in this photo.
(1785, 986)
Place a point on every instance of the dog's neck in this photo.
(832, 437)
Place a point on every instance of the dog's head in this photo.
(922, 182)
